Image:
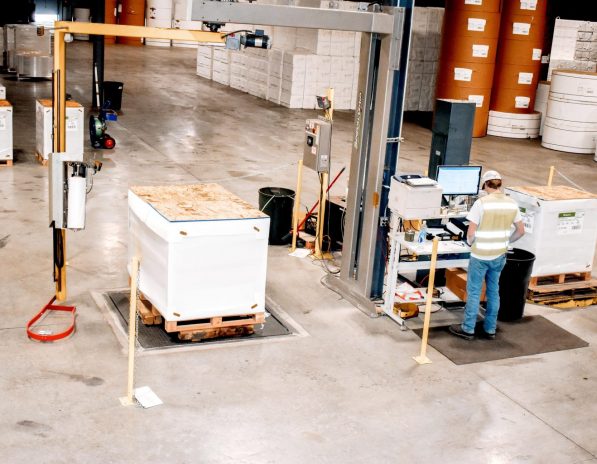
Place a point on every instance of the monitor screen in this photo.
(459, 180)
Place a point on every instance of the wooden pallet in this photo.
(572, 290)
(570, 277)
(6, 162)
(147, 312)
(41, 159)
(200, 329)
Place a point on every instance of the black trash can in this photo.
(113, 94)
(514, 284)
(277, 203)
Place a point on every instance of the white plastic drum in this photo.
(571, 117)
(159, 14)
(163, 23)
(514, 125)
(81, 15)
(541, 101)
(160, 4)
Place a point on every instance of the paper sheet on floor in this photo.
(146, 397)
(300, 253)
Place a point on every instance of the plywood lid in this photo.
(5, 103)
(46, 102)
(557, 192)
(197, 202)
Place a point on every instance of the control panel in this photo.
(318, 145)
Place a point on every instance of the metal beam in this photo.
(121, 30)
(291, 16)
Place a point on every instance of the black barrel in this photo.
(514, 284)
(277, 203)
(113, 94)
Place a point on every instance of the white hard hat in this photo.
(490, 175)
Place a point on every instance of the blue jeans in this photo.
(480, 270)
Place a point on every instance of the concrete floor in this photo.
(347, 393)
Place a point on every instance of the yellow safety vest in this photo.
(493, 234)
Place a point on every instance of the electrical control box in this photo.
(318, 145)
(421, 201)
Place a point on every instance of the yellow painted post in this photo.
(551, 173)
(59, 145)
(319, 254)
(129, 400)
(330, 112)
(422, 358)
(297, 205)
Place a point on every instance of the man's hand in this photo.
(470, 235)
(518, 232)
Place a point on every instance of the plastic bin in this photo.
(514, 284)
(277, 203)
(113, 93)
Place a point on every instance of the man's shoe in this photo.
(487, 335)
(456, 329)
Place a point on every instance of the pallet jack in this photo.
(98, 136)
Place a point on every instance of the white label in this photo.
(2, 122)
(480, 51)
(528, 4)
(71, 124)
(545, 59)
(528, 219)
(525, 78)
(570, 223)
(521, 102)
(476, 24)
(478, 99)
(536, 54)
(520, 28)
(473, 2)
(463, 74)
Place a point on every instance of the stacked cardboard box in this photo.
(423, 58)
(205, 61)
(574, 46)
(221, 66)
(303, 64)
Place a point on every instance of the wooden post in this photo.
(319, 254)
(329, 114)
(297, 205)
(129, 400)
(422, 358)
(551, 173)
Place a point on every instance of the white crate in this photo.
(5, 130)
(75, 127)
(560, 228)
(208, 260)
(2, 89)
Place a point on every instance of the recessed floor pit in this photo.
(154, 337)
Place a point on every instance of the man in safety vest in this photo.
(489, 234)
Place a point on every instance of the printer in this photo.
(415, 197)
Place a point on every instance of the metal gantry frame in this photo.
(384, 54)
(58, 189)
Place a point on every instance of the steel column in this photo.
(392, 152)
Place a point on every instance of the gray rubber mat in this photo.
(531, 335)
(155, 337)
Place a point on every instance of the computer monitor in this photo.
(459, 180)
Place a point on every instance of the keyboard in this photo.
(421, 181)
